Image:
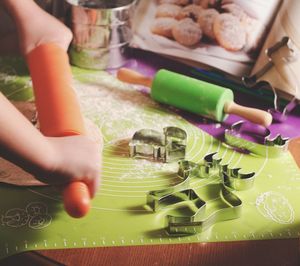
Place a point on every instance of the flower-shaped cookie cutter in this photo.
(168, 146)
(261, 142)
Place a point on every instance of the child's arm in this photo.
(37, 29)
(51, 160)
(35, 26)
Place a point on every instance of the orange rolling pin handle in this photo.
(58, 111)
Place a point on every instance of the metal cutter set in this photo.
(170, 146)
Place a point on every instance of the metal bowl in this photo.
(102, 32)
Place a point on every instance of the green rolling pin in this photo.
(194, 95)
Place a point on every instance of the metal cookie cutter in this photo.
(168, 146)
(287, 52)
(233, 178)
(186, 171)
(264, 145)
(198, 222)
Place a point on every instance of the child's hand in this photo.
(53, 160)
(74, 158)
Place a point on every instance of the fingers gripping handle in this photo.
(58, 110)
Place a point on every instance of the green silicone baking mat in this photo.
(118, 216)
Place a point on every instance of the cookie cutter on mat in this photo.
(212, 165)
(286, 46)
(186, 170)
(199, 222)
(233, 178)
(196, 223)
(265, 146)
(168, 146)
(157, 198)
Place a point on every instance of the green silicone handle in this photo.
(190, 94)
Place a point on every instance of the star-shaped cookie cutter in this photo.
(264, 145)
(168, 146)
(198, 222)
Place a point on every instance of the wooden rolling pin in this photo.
(193, 95)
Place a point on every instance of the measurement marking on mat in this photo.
(84, 243)
(132, 241)
(94, 243)
(17, 248)
(113, 242)
(7, 251)
(74, 244)
(45, 243)
(103, 242)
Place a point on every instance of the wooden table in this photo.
(254, 253)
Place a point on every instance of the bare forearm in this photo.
(35, 26)
(21, 142)
(20, 10)
(52, 160)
